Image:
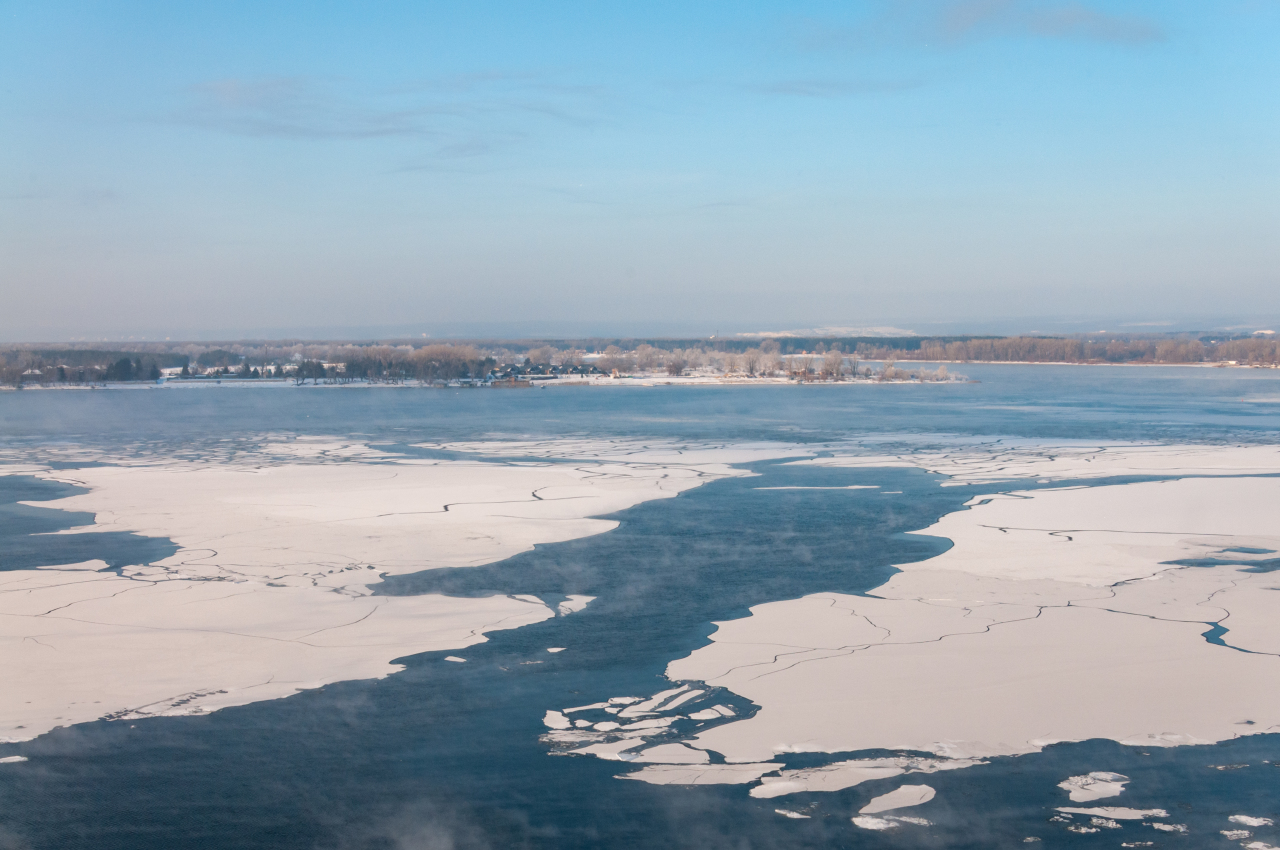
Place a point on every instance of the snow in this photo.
(1058, 615)
(271, 591)
(901, 797)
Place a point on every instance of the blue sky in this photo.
(240, 168)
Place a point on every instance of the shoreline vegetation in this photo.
(598, 361)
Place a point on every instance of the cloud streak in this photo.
(459, 116)
(952, 22)
(295, 107)
(835, 88)
(975, 18)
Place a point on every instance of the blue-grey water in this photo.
(448, 755)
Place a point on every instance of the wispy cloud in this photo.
(969, 18)
(296, 107)
(462, 116)
(835, 88)
(943, 22)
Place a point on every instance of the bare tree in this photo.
(614, 358)
(832, 363)
(541, 356)
(648, 358)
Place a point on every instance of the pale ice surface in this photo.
(574, 603)
(888, 822)
(1117, 812)
(271, 589)
(1097, 785)
(1245, 820)
(1170, 827)
(672, 754)
(986, 460)
(701, 774)
(846, 774)
(902, 797)
(1056, 616)
(556, 720)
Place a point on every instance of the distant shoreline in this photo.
(655, 380)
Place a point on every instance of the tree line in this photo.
(434, 362)
(1025, 349)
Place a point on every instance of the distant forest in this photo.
(435, 361)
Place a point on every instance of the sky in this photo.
(249, 169)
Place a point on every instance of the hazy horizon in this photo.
(565, 330)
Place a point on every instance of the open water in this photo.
(448, 755)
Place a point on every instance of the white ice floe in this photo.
(1245, 820)
(650, 723)
(649, 705)
(682, 699)
(1117, 812)
(1093, 786)
(1169, 827)
(902, 797)
(672, 754)
(1236, 834)
(611, 750)
(556, 720)
(271, 589)
(573, 604)
(1056, 616)
(701, 774)
(555, 649)
(1013, 459)
(889, 822)
(455, 659)
(12, 759)
(846, 774)
(787, 813)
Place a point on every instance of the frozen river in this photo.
(798, 616)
